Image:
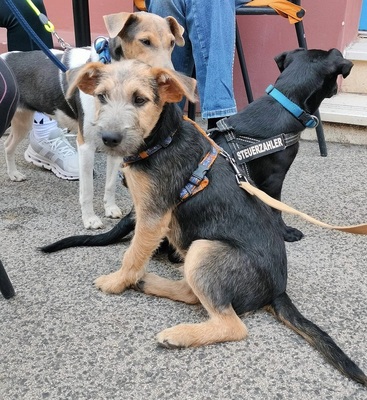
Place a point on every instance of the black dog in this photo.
(307, 77)
(185, 189)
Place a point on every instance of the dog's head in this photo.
(314, 71)
(129, 97)
(143, 36)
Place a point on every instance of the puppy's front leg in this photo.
(148, 235)
(111, 209)
(86, 163)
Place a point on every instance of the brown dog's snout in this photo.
(111, 139)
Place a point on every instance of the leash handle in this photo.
(34, 36)
(42, 17)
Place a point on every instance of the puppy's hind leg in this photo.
(111, 209)
(223, 324)
(21, 124)
(162, 287)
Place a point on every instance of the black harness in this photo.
(244, 148)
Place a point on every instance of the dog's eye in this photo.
(102, 97)
(146, 42)
(139, 100)
(172, 43)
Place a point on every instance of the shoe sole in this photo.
(36, 160)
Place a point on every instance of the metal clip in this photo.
(238, 175)
(62, 42)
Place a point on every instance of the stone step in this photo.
(344, 119)
(357, 80)
(345, 108)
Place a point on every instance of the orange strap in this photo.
(201, 130)
(285, 8)
(140, 5)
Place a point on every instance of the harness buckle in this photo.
(238, 175)
(198, 175)
(313, 123)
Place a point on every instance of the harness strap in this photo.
(201, 130)
(198, 180)
(245, 148)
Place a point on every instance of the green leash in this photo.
(49, 26)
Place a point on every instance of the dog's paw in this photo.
(111, 283)
(93, 222)
(16, 176)
(113, 211)
(173, 338)
(292, 234)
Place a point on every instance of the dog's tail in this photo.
(284, 310)
(118, 232)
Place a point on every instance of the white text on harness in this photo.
(260, 149)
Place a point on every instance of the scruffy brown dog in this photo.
(184, 189)
(143, 36)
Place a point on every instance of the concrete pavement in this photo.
(63, 339)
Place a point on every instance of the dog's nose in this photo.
(111, 139)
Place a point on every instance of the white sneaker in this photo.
(54, 153)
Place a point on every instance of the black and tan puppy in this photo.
(234, 252)
(307, 78)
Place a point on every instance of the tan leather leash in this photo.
(356, 229)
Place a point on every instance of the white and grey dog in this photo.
(43, 87)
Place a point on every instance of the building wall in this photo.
(328, 23)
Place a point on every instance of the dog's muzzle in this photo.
(111, 139)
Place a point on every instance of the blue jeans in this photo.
(209, 45)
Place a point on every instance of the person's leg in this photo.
(211, 27)
(17, 37)
(210, 41)
(182, 58)
(9, 96)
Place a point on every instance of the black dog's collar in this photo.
(307, 120)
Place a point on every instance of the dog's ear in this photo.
(344, 66)
(284, 59)
(116, 22)
(85, 78)
(177, 31)
(173, 86)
